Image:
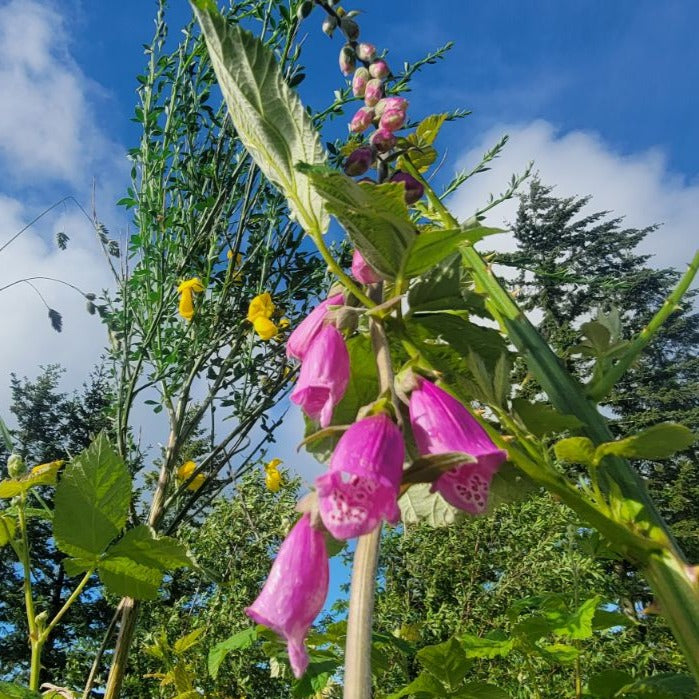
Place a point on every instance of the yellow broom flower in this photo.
(186, 470)
(187, 289)
(273, 479)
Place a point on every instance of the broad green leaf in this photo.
(428, 129)
(417, 505)
(598, 335)
(143, 546)
(661, 686)
(541, 419)
(242, 639)
(14, 691)
(559, 653)
(509, 485)
(375, 216)
(429, 468)
(424, 686)
(654, 443)
(431, 247)
(440, 290)
(77, 566)
(578, 625)
(44, 474)
(92, 501)
(446, 661)
(362, 389)
(605, 619)
(531, 629)
(477, 647)
(268, 115)
(7, 529)
(316, 677)
(480, 690)
(606, 684)
(575, 450)
(186, 642)
(126, 578)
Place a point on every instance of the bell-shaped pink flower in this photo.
(300, 340)
(361, 270)
(441, 424)
(324, 375)
(361, 485)
(295, 590)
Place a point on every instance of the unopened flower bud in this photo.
(399, 103)
(350, 28)
(16, 466)
(379, 69)
(373, 92)
(329, 25)
(413, 189)
(347, 60)
(359, 81)
(361, 120)
(366, 52)
(304, 9)
(392, 119)
(383, 140)
(359, 161)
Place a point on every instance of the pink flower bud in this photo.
(379, 69)
(366, 52)
(361, 485)
(324, 375)
(383, 140)
(359, 81)
(347, 60)
(361, 121)
(373, 92)
(358, 161)
(392, 119)
(441, 424)
(361, 270)
(350, 28)
(413, 189)
(399, 103)
(300, 340)
(295, 591)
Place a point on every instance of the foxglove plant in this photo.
(417, 277)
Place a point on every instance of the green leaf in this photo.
(14, 691)
(654, 443)
(77, 566)
(578, 625)
(316, 677)
(606, 684)
(424, 686)
(439, 289)
(478, 647)
(541, 419)
(268, 115)
(124, 577)
(480, 690)
(508, 485)
(661, 686)
(575, 450)
(429, 468)
(417, 505)
(186, 642)
(92, 501)
(446, 661)
(44, 475)
(242, 639)
(559, 653)
(605, 619)
(375, 216)
(143, 546)
(428, 129)
(7, 529)
(598, 335)
(6, 436)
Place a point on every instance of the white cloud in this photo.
(637, 186)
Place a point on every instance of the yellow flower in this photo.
(265, 328)
(284, 323)
(185, 471)
(260, 307)
(238, 257)
(49, 466)
(273, 479)
(186, 290)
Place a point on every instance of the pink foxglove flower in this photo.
(361, 121)
(441, 424)
(373, 92)
(379, 69)
(366, 52)
(392, 119)
(300, 340)
(359, 81)
(361, 485)
(295, 590)
(413, 189)
(324, 375)
(358, 161)
(399, 103)
(362, 271)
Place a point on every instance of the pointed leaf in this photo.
(268, 115)
(606, 684)
(430, 467)
(242, 639)
(655, 443)
(45, 474)
(477, 647)
(446, 661)
(480, 690)
(143, 546)
(575, 450)
(7, 529)
(541, 419)
(188, 641)
(418, 504)
(126, 578)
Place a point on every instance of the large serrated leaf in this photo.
(268, 115)
(143, 546)
(375, 216)
(126, 578)
(242, 639)
(418, 505)
(92, 501)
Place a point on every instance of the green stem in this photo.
(606, 382)
(36, 645)
(68, 603)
